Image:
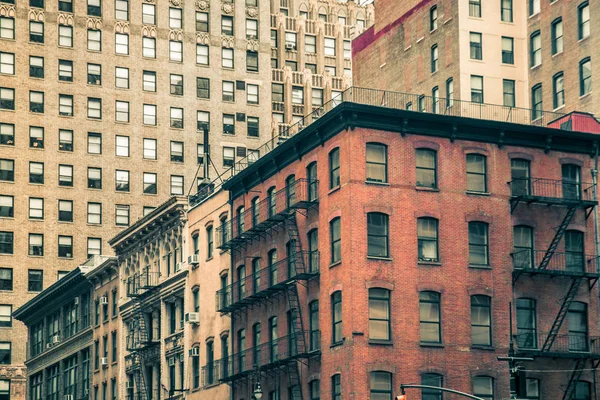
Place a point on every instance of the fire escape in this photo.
(575, 267)
(142, 339)
(272, 217)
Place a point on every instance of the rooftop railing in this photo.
(396, 100)
(569, 264)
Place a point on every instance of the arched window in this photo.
(210, 360)
(427, 237)
(585, 76)
(241, 275)
(577, 320)
(290, 191)
(195, 243)
(273, 336)
(537, 104)
(379, 314)
(432, 380)
(556, 35)
(241, 352)
(209, 239)
(558, 90)
(433, 18)
(483, 386)
(271, 200)
(313, 319)
(313, 183)
(523, 256)
(376, 162)
(256, 275)
(335, 234)
(381, 385)
(571, 181)
(520, 184)
(574, 251)
(481, 320)
(583, 20)
(272, 264)
(314, 388)
(430, 321)
(336, 387)
(313, 250)
(478, 243)
(426, 163)
(334, 168)
(240, 216)
(476, 173)
(256, 341)
(255, 211)
(583, 391)
(526, 324)
(336, 317)
(377, 235)
(434, 58)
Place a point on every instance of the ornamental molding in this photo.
(202, 5)
(176, 3)
(65, 19)
(176, 35)
(149, 31)
(36, 15)
(203, 38)
(227, 41)
(252, 12)
(148, 1)
(122, 27)
(94, 23)
(252, 45)
(7, 11)
(227, 9)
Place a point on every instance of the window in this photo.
(536, 102)
(534, 7)
(177, 185)
(336, 240)
(310, 44)
(6, 242)
(483, 386)
(478, 243)
(175, 51)
(334, 168)
(506, 10)
(227, 58)
(7, 206)
(149, 114)
(426, 164)
(253, 127)
(585, 76)
(7, 28)
(94, 108)
(6, 283)
(36, 67)
(7, 135)
(94, 247)
(94, 143)
(36, 208)
(475, 8)
(7, 99)
(228, 124)
(434, 58)
(65, 246)
(435, 96)
(122, 10)
(582, 391)
(149, 81)
(65, 175)
(149, 183)
(433, 18)
(148, 14)
(508, 93)
(177, 151)
(476, 173)
(65, 37)
(430, 321)
(94, 213)
(535, 48)
(317, 97)
(122, 111)
(379, 314)
(203, 88)
(336, 317)
(526, 323)
(481, 320)
(175, 18)
(329, 47)
(557, 36)
(36, 172)
(36, 137)
(348, 51)
(558, 90)
(121, 215)
(176, 118)
(251, 29)
(523, 247)
(36, 102)
(297, 95)
(7, 63)
(476, 89)
(36, 32)
(121, 43)
(377, 235)
(150, 149)
(202, 22)
(65, 210)
(574, 251)
(203, 120)
(508, 50)
(35, 280)
(209, 244)
(252, 94)
(94, 178)
(202, 56)
(94, 74)
(122, 181)
(94, 39)
(5, 315)
(148, 47)
(336, 387)
(583, 20)
(7, 170)
(65, 140)
(227, 25)
(432, 380)
(36, 244)
(94, 8)
(427, 237)
(476, 46)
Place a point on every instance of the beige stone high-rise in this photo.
(103, 105)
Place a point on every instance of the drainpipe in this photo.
(596, 222)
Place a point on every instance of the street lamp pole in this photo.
(402, 387)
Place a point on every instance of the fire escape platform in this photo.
(552, 192)
(565, 346)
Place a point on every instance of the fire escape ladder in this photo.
(141, 336)
(294, 380)
(575, 375)
(562, 313)
(560, 231)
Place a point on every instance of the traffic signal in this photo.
(401, 397)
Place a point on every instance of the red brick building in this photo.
(380, 246)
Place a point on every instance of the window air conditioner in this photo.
(104, 361)
(192, 318)
(193, 259)
(195, 352)
(104, 300)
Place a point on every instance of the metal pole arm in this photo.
(470, 396)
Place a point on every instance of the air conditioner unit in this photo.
(290, 46)
(192, 318)
(68, 397)
(193, 259)
(171, 361)
(86, 392)
(129, 385)
(104, 300)
(104, 361)
(48, 345)
(55, 339)
(76, 301)
(195, 352)
(179, 266)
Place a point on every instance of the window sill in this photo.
(209, 259)
(483, 347)
(434, 345)
(374, 183)
(588, 94)
(477, 193)
(557, 54)
(584, 39)
(426, 189)
(558, 108)
(376, 258)
(535, 67)
(335, 264)
(480, 266)
(379, 342)
(430, 263)
(337, 344)
(333, 190)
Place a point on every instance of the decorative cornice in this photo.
(149, 31)
(252, 12)
(122, 27)
(227, 41)
(203, 38)
(227, 9)
(65, 19)
(253, 45)
(202, 5)
(176, 35)
(36, 15)
(7, 10)
(94, 23)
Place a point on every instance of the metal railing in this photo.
(296, 194)
(135, 340)
(139, 283)
(570, 263)
(396, 100)
(551, 189)
(267, 355)
(255, 285)
(566, 344)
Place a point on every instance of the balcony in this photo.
(564, 346)
(141, 283)
(269, 355)
(138, 340)
(267, 213)
(551, 192)
(267, 281)
(561, 264)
